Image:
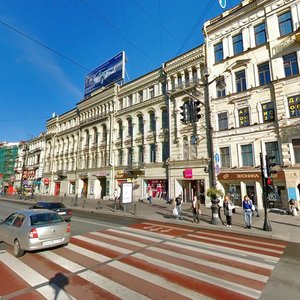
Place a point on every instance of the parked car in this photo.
(58, 207)
(34, 229)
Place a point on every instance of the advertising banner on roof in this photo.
(109, 72)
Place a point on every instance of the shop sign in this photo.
(188, 173)
(83, 174)
(46, 181)
(101, 174)
(239, 176)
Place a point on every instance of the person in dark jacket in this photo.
(247, 207)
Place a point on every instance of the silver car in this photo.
(34, 229)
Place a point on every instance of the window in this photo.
(129, 101)
(218, 52)
(237, 42)
(225, 157)
(193, 142)
(221, 93)
(165, 151)
(223, 121)
(296, 147)
(129, 127)
(140, 96)
(95, 136)
(152, 121)
(129, 156)
(247, 155)
(164, 118)
(285, 23)
(120, 130)
(140, 124)
(240, 80)
(294, 106)
(141, 154)
(272, 149)
(104, 133)
(185, 148)
(290, 64)
(244, 119)
(264, 73)
(152, 153)
(260, 34)
(268, 112)
(120, 157)
(120, 103)
(151, 92)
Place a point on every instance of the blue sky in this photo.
(48, 47)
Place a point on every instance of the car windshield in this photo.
(45, 218)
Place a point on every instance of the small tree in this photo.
(214, 193)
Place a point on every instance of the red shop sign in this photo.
(46, 181)
(188, 173)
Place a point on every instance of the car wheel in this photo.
(18, 251)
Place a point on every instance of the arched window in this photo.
(129, 127)
(152, 124)
(120, 129)
(95, 133)
(164, 118)
(140, 124)
(104, 133)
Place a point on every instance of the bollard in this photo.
(135, 209)
(83, 204)
(98, 205)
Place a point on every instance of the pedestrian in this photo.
(150, 194)
(196, 209)
(247, 207)
(178, 202)
(228, 207)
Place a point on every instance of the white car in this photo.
(34, 229)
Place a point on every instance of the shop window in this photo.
(244, 119)
(294, 106)
(268, 112)
(260, 34)
(247, 155)
(290, 65)
(285, 23)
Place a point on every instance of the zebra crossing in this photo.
(149, 260)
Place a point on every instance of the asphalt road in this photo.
(283, 282)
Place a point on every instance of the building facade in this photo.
(134, 132)
(256, 47)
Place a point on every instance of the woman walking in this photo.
(247, 207)
(196, 209)
(228, 206)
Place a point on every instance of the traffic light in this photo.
(269, 186)
(270, 165)
(183, 113)
(196, 110)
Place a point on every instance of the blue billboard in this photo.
(109, 72)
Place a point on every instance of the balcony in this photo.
(62, 173)
(136, 167)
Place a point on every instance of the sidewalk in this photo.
(284, 227)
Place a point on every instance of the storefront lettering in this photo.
(247, 176)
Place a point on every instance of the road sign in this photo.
(217, 157)
(272, 197)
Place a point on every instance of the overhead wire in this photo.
(44, 45)
(118, 31)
